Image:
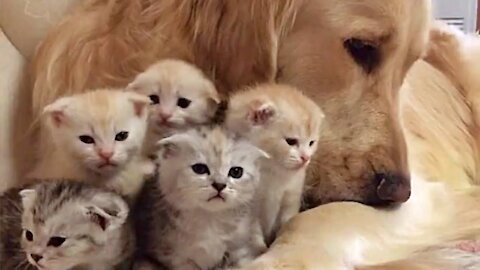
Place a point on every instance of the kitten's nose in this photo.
(36, 257)
(165, 115)
(305, 158)
(105, 154)
(219, 186)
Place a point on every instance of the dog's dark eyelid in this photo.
(364, 53)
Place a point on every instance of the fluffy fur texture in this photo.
(354, 236)
(58, 225)
(181, 97)
(96, 137)
(349, 56)
(200, 212)
(443, 132)
(286, 124)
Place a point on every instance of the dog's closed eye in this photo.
(364, 53)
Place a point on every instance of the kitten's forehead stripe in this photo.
(217, 142)
(50, 198)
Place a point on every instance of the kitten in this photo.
(286, 124)
(57, 225)
(97, 138)
(199, 210)
(181, 97)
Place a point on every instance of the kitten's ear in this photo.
(107, 211)
(214, 95)
(260, 153)
(28, 197)
(216, 98)
(261, 112)
(171, 146)
(56, 111)
(135, 85)
(214, 101)
(140, 103)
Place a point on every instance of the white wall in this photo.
(461, 13)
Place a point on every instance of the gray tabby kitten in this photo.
(59, 225)
(199, 211)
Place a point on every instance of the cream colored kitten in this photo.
(199, 212)
(181, 97)
(286, 124)
(97, 137)
(59, 224)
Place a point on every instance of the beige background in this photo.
(23, 23)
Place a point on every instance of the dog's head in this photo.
(351, 57)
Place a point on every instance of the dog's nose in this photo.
(219, 186)
(36, 257)
(392, 188)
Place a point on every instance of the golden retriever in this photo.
(439, 112)
(350, 56)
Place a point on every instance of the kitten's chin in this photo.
(296, 167)
(58, 266)
(106, 170)
(218, 203)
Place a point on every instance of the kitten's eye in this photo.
(121, 136)
(200, 168)
(183, 103)
(29, 235)
(86, 139)
(311, 143)
(155, 99)
(56, 241)
(235, 172)
(291, 141)
(365, 53)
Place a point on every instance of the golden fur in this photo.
(440, 114)
(341, 236)
(237, 43)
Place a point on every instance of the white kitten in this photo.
(57, 225)
(181, 96)
(202, 205)
(97, 137)
(286, 124)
